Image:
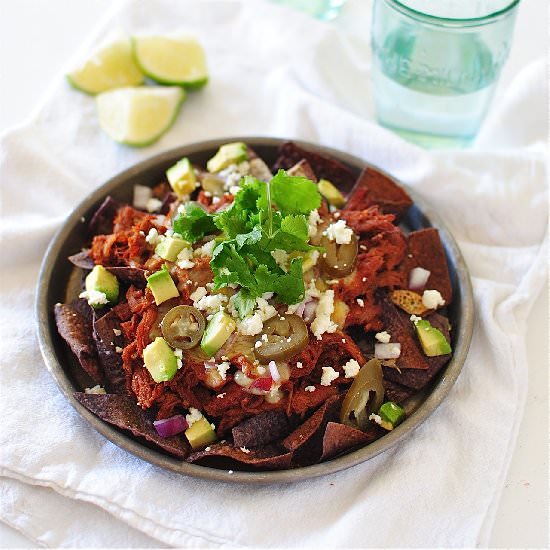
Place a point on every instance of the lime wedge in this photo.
(177, 60)
(139, 116)
(110, 66)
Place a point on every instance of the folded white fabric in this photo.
(65, 485)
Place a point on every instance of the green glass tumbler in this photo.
(436, 65)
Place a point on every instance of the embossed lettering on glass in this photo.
(436, 65)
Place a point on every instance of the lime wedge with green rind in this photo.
(173, 60)
(110, 66)
(138, 116)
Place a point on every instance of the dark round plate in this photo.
(59, 281)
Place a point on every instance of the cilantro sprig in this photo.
(263, 217)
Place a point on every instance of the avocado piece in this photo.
(182, 177)
(217, 332)
(331, 193)
(162, 286)
(170, 247)
(160, 360)
(391, 413)
(100, 280)
(200, 433)
(432, 340)
(230, 153)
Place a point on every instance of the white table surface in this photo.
(37, 38)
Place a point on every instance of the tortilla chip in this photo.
(261, 429)
(373, 187)
(102, 221)
(303, 169)
(107, 343)
(339, 438)
(323, 166)
(396, 392)
(265, 458)
(122, 412)
(74, 323)
(167, 202)
(414, 377)
(82, 260)
(402, 331)
(130, 275)
(424, 249)
(409, 301)
(306, 441)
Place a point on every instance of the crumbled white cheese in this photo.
(96, 390)
(309, 388)
(179, 357)
(311, 292)
(199, 293)
(312, 222)
(329, 374)
(244, 450)
(153, 204)
(325, 308)
(261, 370)
(205, 251)
(216, 200)
(153, 237)
(299, 365)
(432, 299)
(193, 416)
(351, 368)
(222, 369)
(339, 232)
(258, 344)
(281, 258)
(415, 318)
(118, 349)
(233, 173)
(383, 337)
(251, 325)
(376, 418)
(360, 302)
(234, 189)
(211, 303)
(220, 395)
(117, 332)
(265, 309)
(94, 297)
(184, 258)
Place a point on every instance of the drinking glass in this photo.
(322, 9)
(436, 64)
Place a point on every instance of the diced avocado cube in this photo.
(432, 340)
(182, 177)
(160, 360)
(200, 434)
(170, 247)
(230, 153)
(392, 413)
(162, 286)
(331, 193)
(219, 329)
(100, 280)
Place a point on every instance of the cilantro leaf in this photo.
(194, 223)
(290, 286)
(244, 303)
(294, 194)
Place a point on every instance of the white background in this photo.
(37, 40)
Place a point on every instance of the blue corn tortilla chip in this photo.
(265, 458)
(82, 260)
(325, 167)
(74, 323)
(102, 221)
(107, 342)
(373, 187)
(339, 438)
(122, 412)
(261, 429)
(130, 275)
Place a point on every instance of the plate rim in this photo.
(128, 443)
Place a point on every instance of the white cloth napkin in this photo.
(275, 75)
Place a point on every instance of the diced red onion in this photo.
(309, 311)
(171, 426)
(418, 277)
(274, 371)
(387, 351)
(142, 194)
(263, 384)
